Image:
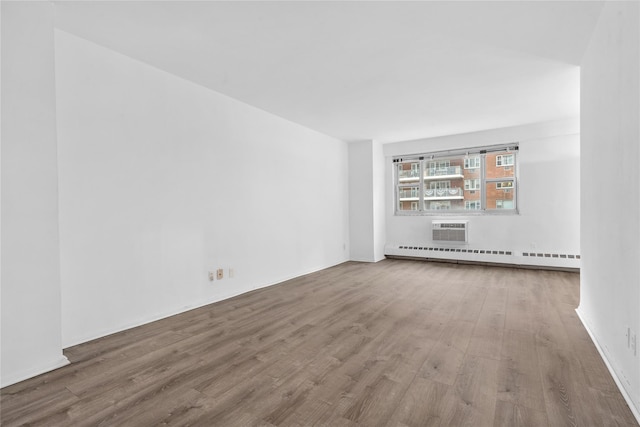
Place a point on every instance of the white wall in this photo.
(610, 279)
(548, 197)
(379, 189)
(366, 201)
(162, 180)
(31, 329)
(361, 201)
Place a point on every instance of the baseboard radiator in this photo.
(447, 252)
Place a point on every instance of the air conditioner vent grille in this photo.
(449, 231)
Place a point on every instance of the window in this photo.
(504, 204)
(440, 184)
(441, 168)
(472, 204)
(439, 206)
(504, 160)
(409, 171)
(409, 193)
(472, 163)
(440, 165)
(481, 179)
(471, 184)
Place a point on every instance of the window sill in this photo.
(493, 212)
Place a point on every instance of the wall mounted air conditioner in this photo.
(450, 231)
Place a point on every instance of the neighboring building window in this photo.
(440, 184)
(472, 163)
(408, 172)
(440, 165)
(504, 160)
(504, 204)
(439, 206)
(472, 204)
(480, 179)
(471, 184)
(504, 184)
(409, 193)
(441, 168)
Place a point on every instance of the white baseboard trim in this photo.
(33, 372)
(634, 409)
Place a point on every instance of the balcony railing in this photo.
(409, 194)
(413, 173)
(443, 193)
(450, 171)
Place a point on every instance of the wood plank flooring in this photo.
(397, 343)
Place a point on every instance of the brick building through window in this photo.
(460, 182)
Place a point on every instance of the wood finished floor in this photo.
(397, 343)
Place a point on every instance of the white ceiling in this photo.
(357, 70)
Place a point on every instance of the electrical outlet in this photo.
(220, 274)
(231, 273)
(631, 341)
(212, 276)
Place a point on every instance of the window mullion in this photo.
(421, 206)
(483, 192)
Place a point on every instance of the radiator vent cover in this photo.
(449, 231)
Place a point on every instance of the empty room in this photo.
(320, 213)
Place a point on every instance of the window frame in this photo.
(476, 162)
(500, 160)
(460, 156)
(445, 203)
(436, 185)
(477, 184)
(502, 201)
(467, 204)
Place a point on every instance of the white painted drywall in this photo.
(31, 328)
(162, 180)
(366, 201)
(379, 189)
(548, 198)
(361, 201)
(610, 279)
